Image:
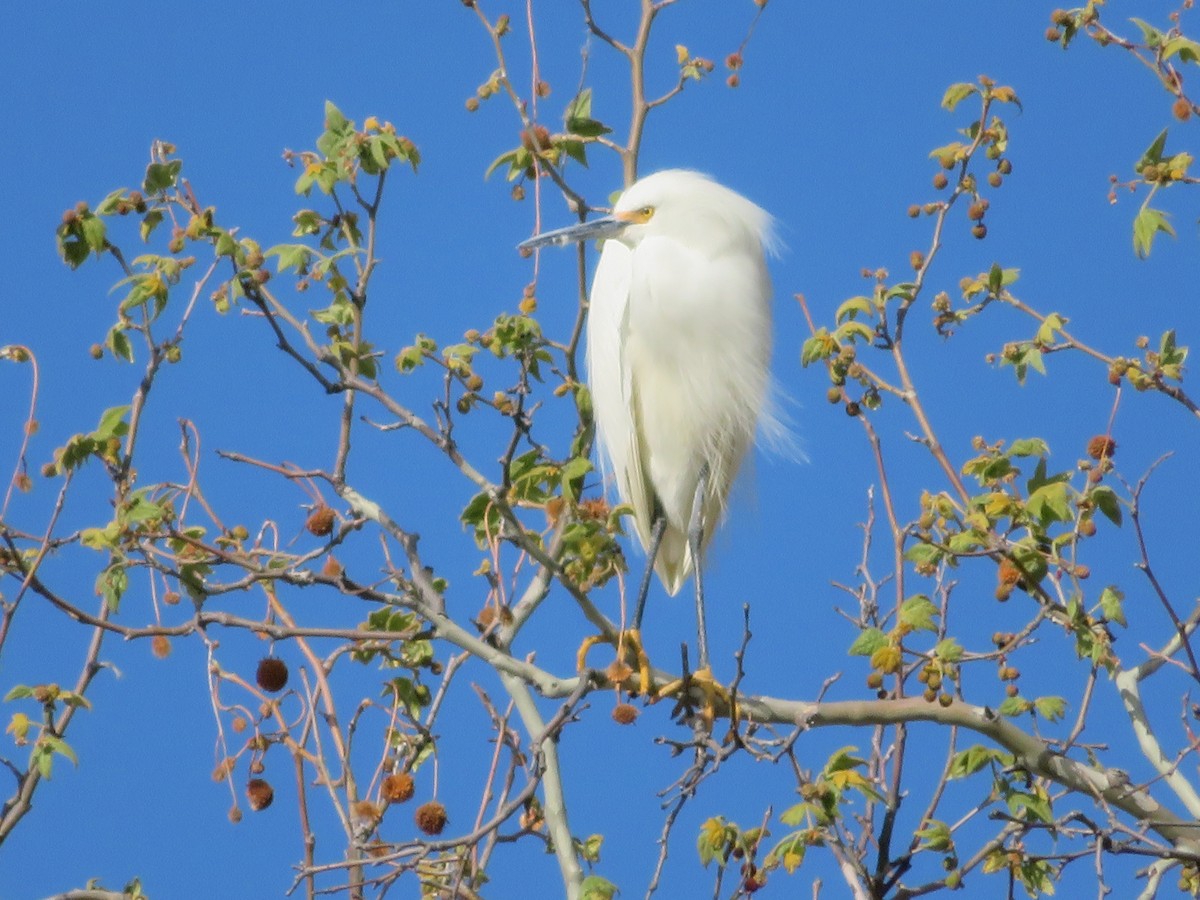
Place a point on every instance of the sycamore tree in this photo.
(368, 684)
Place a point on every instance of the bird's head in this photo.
(676, 203)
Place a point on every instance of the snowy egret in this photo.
(678, 347)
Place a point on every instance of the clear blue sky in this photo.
(830, 131)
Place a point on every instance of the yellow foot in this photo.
(700, 682)
(632, 654)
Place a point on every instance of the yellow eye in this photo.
(644, 214)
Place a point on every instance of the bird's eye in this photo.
(644, 214)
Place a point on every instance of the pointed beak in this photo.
(597, 229)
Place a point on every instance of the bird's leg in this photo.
(702, 679)
(632, 637)
(656, 538)
(696, 542)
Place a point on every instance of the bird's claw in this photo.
(715, 695)
(631, 650)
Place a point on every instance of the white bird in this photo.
(678, 352)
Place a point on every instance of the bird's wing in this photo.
(614, 401)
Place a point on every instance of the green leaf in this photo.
(1029, 447)
(1151, 35)
(94, 231)
(789, 852)
(161, 176)
(501, 160)
(855, 307)
(1106, 501)
(61, 747)
(1187, 49)
(966, 541)
(956, 93)
(1051, 324)
(867, 642)
(334, 120)
(18, 692)
(117, 341)
(1112, 604)
(578, 117)
(796, 815)
(101, 538)
(948, 649)
(1171, 356)
(225, 245)
(140, 509)
(935, 836)
(1148, 223)
(852, 329)
(918, 613)
(149, 222)
(1050, 503)
(843, 760)
(1050, 708)
(975, 757)
(1015, 706)
(108, 205)
(575, 468)
(923, 555)
(1038, 807)
(576, 150)
(1154, 152)
(820, 346)
(112, 583)
(112, 422)
(291, 256)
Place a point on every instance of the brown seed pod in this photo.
(364, 810)
(537, 139)
(272, 674)
(259, 793)
(398, 787)
(1101, 447)
(160, 646)
(618, 671)
(624, 714)
(431, 817)
(320, 521)
(1008, 573)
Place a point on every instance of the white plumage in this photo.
(678, 345)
